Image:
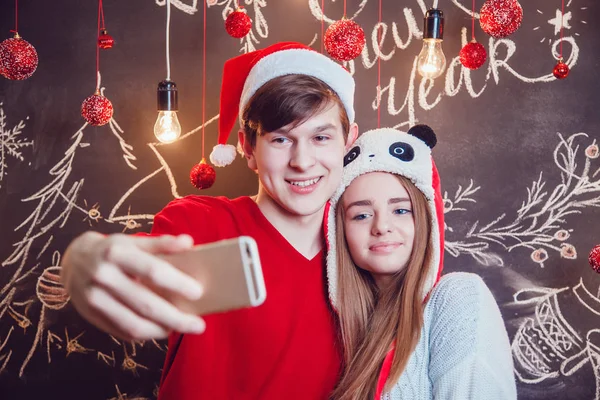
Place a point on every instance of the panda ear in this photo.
(425, 133)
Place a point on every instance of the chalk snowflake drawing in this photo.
(541, 222)
(52, 207)
(549, 344)
(11, 143)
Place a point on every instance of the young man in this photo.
(295, 108)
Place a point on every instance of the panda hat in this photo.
(401, 153)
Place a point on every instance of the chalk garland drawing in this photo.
(541, 222)
(546, 346)
(11, 143)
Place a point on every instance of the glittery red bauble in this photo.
(595, 258)
(473, 55)
(18, 59)
(561, 70)
(344, 40)
(97, 110)
(238, 24)
(202, 175)
(500, 18)
(105, 41)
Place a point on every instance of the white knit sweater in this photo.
(463, 352)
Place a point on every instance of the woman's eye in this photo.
(401, 211)
(360, 217)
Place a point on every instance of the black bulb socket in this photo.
(166, 96)
(433, 24)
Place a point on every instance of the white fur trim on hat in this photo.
(372, 152)
(304, 62)
(222, 155)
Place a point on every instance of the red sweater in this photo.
(284, 349)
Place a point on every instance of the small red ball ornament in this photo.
(238, 23)
(18, 58)
(561, 70)
(344, 40)
(500, 18)
(594, 258)
(97, 110)
(473, 55)
(202, 175)
(105, 41)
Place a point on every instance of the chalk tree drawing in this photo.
(53, 205)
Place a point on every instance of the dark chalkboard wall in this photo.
(517, 153)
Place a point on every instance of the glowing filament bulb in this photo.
(167, 128)
(431, 61)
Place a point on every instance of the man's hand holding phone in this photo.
(104, 275)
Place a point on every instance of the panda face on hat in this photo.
(401, 153)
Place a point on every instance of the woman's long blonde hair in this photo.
(372, 320)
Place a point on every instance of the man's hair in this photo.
(288, 99)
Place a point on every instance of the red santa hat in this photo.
(245, 74)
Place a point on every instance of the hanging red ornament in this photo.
(594, 258)
(500, 18)
(238, 23)
(473, 55)
(97, 110)
(18, 58)
(561, 70)
(202, 175)
(344, 40)
(105, 41)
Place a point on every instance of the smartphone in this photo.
(229, 271)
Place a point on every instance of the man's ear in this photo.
(247, 149)
(352, 135)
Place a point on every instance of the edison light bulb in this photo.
(167, 128)
(431, 61)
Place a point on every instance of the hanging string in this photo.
(379, 33)
(203, 77)
(167, 45)
(473, 22)
(322, 24)
(344, 8)
(102, 14)
(16, 16)
(98, 49)
(562, 18)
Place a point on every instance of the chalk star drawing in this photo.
(556, 21)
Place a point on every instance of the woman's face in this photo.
(379, 224)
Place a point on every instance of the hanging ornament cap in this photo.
(238, 23)
(18, 58)
(344, 40)
(561, 70)
(202, 175)
(500, 18)
(473, 55)
(105, 41)
(594, 258)
(96, 109)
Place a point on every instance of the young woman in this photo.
(408, 333)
